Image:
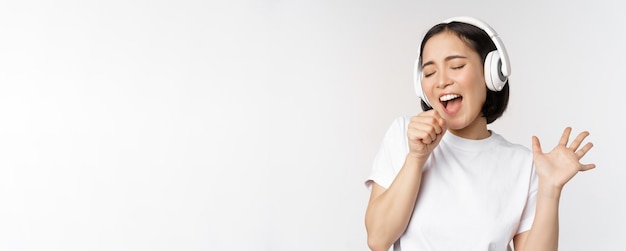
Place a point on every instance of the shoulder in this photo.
(395, 137)
(516, 157)
(402, 121)
(508, 146)
(399, 125)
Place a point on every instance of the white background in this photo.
(252, 125)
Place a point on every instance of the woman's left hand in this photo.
(561, 164)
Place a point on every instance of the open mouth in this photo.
(450, 99)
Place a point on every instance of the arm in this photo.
(554, 170)
(544, 233)
(389, 210)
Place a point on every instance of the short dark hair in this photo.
(477, 39)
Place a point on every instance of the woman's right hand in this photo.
(424, 133)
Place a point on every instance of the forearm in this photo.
(388, 215)
(544, 233)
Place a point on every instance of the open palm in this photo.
(562, 163)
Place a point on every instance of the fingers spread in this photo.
(587, 167)
(565, 136)
(536, 145)
(582, 151)
(579, 139)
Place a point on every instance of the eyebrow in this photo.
(448, 58)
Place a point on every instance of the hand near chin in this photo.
(561, 164)
(424, 133)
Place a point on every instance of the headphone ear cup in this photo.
(421, 94)
(417, 75)
(494, 79)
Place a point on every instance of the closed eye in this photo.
(458, 67)
(428, 74)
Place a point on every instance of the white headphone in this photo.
(497, 66)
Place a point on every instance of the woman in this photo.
(443, 181)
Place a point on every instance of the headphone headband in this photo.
(506, 66)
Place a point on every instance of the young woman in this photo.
(443, 181)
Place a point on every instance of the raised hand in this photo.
(563, 162)
(424, 133)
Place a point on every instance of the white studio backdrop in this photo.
(251, 125)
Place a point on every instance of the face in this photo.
(454, 83)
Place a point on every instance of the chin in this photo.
(456, 124)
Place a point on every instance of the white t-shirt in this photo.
(474, 194)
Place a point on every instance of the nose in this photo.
(443, 80)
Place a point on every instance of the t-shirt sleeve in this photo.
(390, 156)
(528, 216)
